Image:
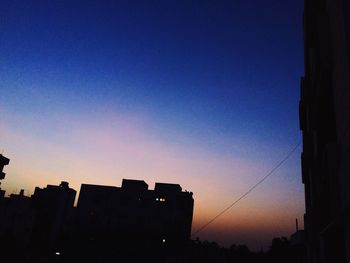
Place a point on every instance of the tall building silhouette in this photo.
(132, 223)
(129, 223)
(133, 213)
(325, 125)
(34, 227)
(17, 218)
(53, 206)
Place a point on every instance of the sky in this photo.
(200, 93)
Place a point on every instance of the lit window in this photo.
(58, 253)
(163, 240)
(157, 199)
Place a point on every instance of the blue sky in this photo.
(218, 79)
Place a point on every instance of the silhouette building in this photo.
(33, 227)
(53, 206)
(128, 223)
(134, 216)
(325, 125)
(17, 218)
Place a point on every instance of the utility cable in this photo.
(250, 189)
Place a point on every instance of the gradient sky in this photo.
(200, 93)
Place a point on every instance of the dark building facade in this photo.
(325, 125)
(16, 226)
(132, 223)
(53, 206)
(33, 228)
(132, 216)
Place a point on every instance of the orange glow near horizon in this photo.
(99, 152)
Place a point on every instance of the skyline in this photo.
(201, 95)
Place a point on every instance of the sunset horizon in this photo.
(201, 95)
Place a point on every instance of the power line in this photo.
(250, 189)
